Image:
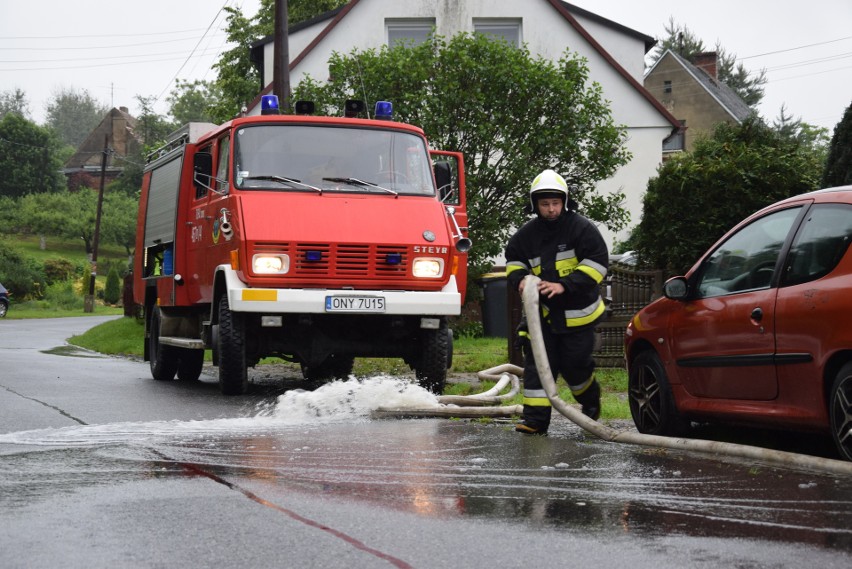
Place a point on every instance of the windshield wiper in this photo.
(283, 180)
(357, 182)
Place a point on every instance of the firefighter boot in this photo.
(590, 400)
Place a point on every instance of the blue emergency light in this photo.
(313, 256)
(269, 105)
(384, 110)
(393, 258)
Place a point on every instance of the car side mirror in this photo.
(676, 288)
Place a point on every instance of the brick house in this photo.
(692, 92)
(118, 128)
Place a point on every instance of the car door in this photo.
(812, 302)
(722, 339)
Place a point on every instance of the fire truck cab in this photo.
(312, 239)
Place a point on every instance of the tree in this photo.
(118, 220)
(28, 158)
(238, 79)
(73, 115)
(511, 115)
(153, 127)
(64, 214)
(812, 138)
(697, 197)
(193, 101)
(683, 42)
(838, 165)
(14, 102)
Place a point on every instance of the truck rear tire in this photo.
(431, 369)
(163, 359)
(190, 364)
(233, 372)
(334, 367)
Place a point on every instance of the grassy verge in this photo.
(36, 309)
(125, 336)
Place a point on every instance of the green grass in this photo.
(73, 250)
(122, 336)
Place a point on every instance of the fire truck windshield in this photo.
(298, 157)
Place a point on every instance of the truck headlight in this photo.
(428, 267)
(270, 264)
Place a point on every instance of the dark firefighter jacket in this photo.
(570, 251)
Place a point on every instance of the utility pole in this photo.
(89, 300)
(281, 57)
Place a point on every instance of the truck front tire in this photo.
(431, 369)
(233, 373)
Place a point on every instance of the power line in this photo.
(87, 59)
(90, 66)
(119, 46)
(88, 36)
(794, 48)
(188, 57)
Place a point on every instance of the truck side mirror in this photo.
(444, 179)
(202, 176)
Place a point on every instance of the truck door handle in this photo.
(757, 314)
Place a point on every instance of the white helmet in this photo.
(549, 184)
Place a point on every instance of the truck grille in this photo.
(332, 260)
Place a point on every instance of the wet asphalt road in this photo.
(100, 466)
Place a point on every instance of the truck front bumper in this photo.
(446, 302)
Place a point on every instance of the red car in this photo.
(758, 331)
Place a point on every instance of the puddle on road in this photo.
(322, 442)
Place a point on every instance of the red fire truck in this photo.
(312, 239)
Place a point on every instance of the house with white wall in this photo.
(548, 28)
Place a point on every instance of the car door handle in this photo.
(757, 314)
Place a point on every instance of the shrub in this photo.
(112, 289)
(59, 270)
(63, 296)
(24, 277)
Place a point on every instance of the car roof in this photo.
(835, 194)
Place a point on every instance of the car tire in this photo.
(4, 308)
(233, 364)
(650, 396)
(840, 411)
(163, 359)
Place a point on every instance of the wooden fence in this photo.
(626, 290)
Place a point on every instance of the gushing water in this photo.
(350, 400)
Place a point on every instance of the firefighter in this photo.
(567, 252)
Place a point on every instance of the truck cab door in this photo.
(449, 176)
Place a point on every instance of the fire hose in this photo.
(481, 405)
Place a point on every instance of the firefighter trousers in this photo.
(569, 355)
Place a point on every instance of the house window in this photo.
(411, 32)
(508, 30)
(667, 86)
(676, 141)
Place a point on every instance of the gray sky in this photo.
(119, 49)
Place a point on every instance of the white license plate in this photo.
(354, 304)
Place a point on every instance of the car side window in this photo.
(820, 244)
(747, 259)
